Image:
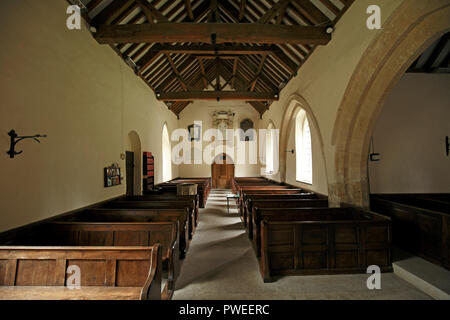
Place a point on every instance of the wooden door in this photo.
(130, 172)
(222, 174)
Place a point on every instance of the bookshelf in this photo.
(148, 171)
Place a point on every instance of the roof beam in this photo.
(190, 13)
(242, 9)
(210, 49)
(202, 32)
(214, 95)
(177, 74)
(150, 11)
(276, 8)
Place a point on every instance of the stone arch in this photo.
(296, 103)
(406, 34)
(136, 147)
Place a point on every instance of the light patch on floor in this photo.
(221, 265)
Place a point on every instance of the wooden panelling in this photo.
(417, 226)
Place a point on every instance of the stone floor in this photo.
(221, 265)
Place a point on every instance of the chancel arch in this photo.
(407, 33)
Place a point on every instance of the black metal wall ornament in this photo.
(15, 139)
(447, 145)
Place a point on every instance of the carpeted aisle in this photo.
(221, 265)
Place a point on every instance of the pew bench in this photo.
(106, 273)
(275, 203)
(418, 230)
(325, 245)
(104, 215)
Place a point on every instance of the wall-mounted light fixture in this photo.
(330, 29)
(447, 145)
(15, 139)
(373, 156)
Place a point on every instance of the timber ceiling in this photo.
(436, 59)
(187, 50)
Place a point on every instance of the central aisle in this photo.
(221, 265)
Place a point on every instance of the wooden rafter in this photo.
(235, 66)
(151, 12)
(190, 13)
(273, 11)
(202, 68)
(258, 73)
(242, 9)
(201, 32)
(214, 95)
(178, 75)
(260, 44)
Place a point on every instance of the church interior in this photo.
(225, 150)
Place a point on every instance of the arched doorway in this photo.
(388, 57)
(222, 172)
(134, 164)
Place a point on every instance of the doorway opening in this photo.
(222, 172)
(130, 172)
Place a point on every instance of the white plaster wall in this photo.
(410, 136)
(322, 82)
(64, 84)
(201, 111)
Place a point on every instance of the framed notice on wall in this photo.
(112, 176)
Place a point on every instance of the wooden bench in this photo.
(165, 197)
(327, 244)
(163, 204)
(138, 215)
(116, 234)
(202, 190)
(300, 214)
(285, 203)
(416, 200)
(268, 191)
(420, 231)
(248, 199)
(107, 273)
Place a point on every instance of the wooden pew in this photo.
(248, 199)
(202, 190)
(420, 231)
(243, 180)
(301, 214)
(107, 273)
(417, 200)
(189, 205)
(103, 215)
(116, 234)
(166, 197)
(325, 244)
(286, 203)
(272, 191)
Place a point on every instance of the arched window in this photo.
(270, 149)
(247, 133)
(166, 155)
(303, 147)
